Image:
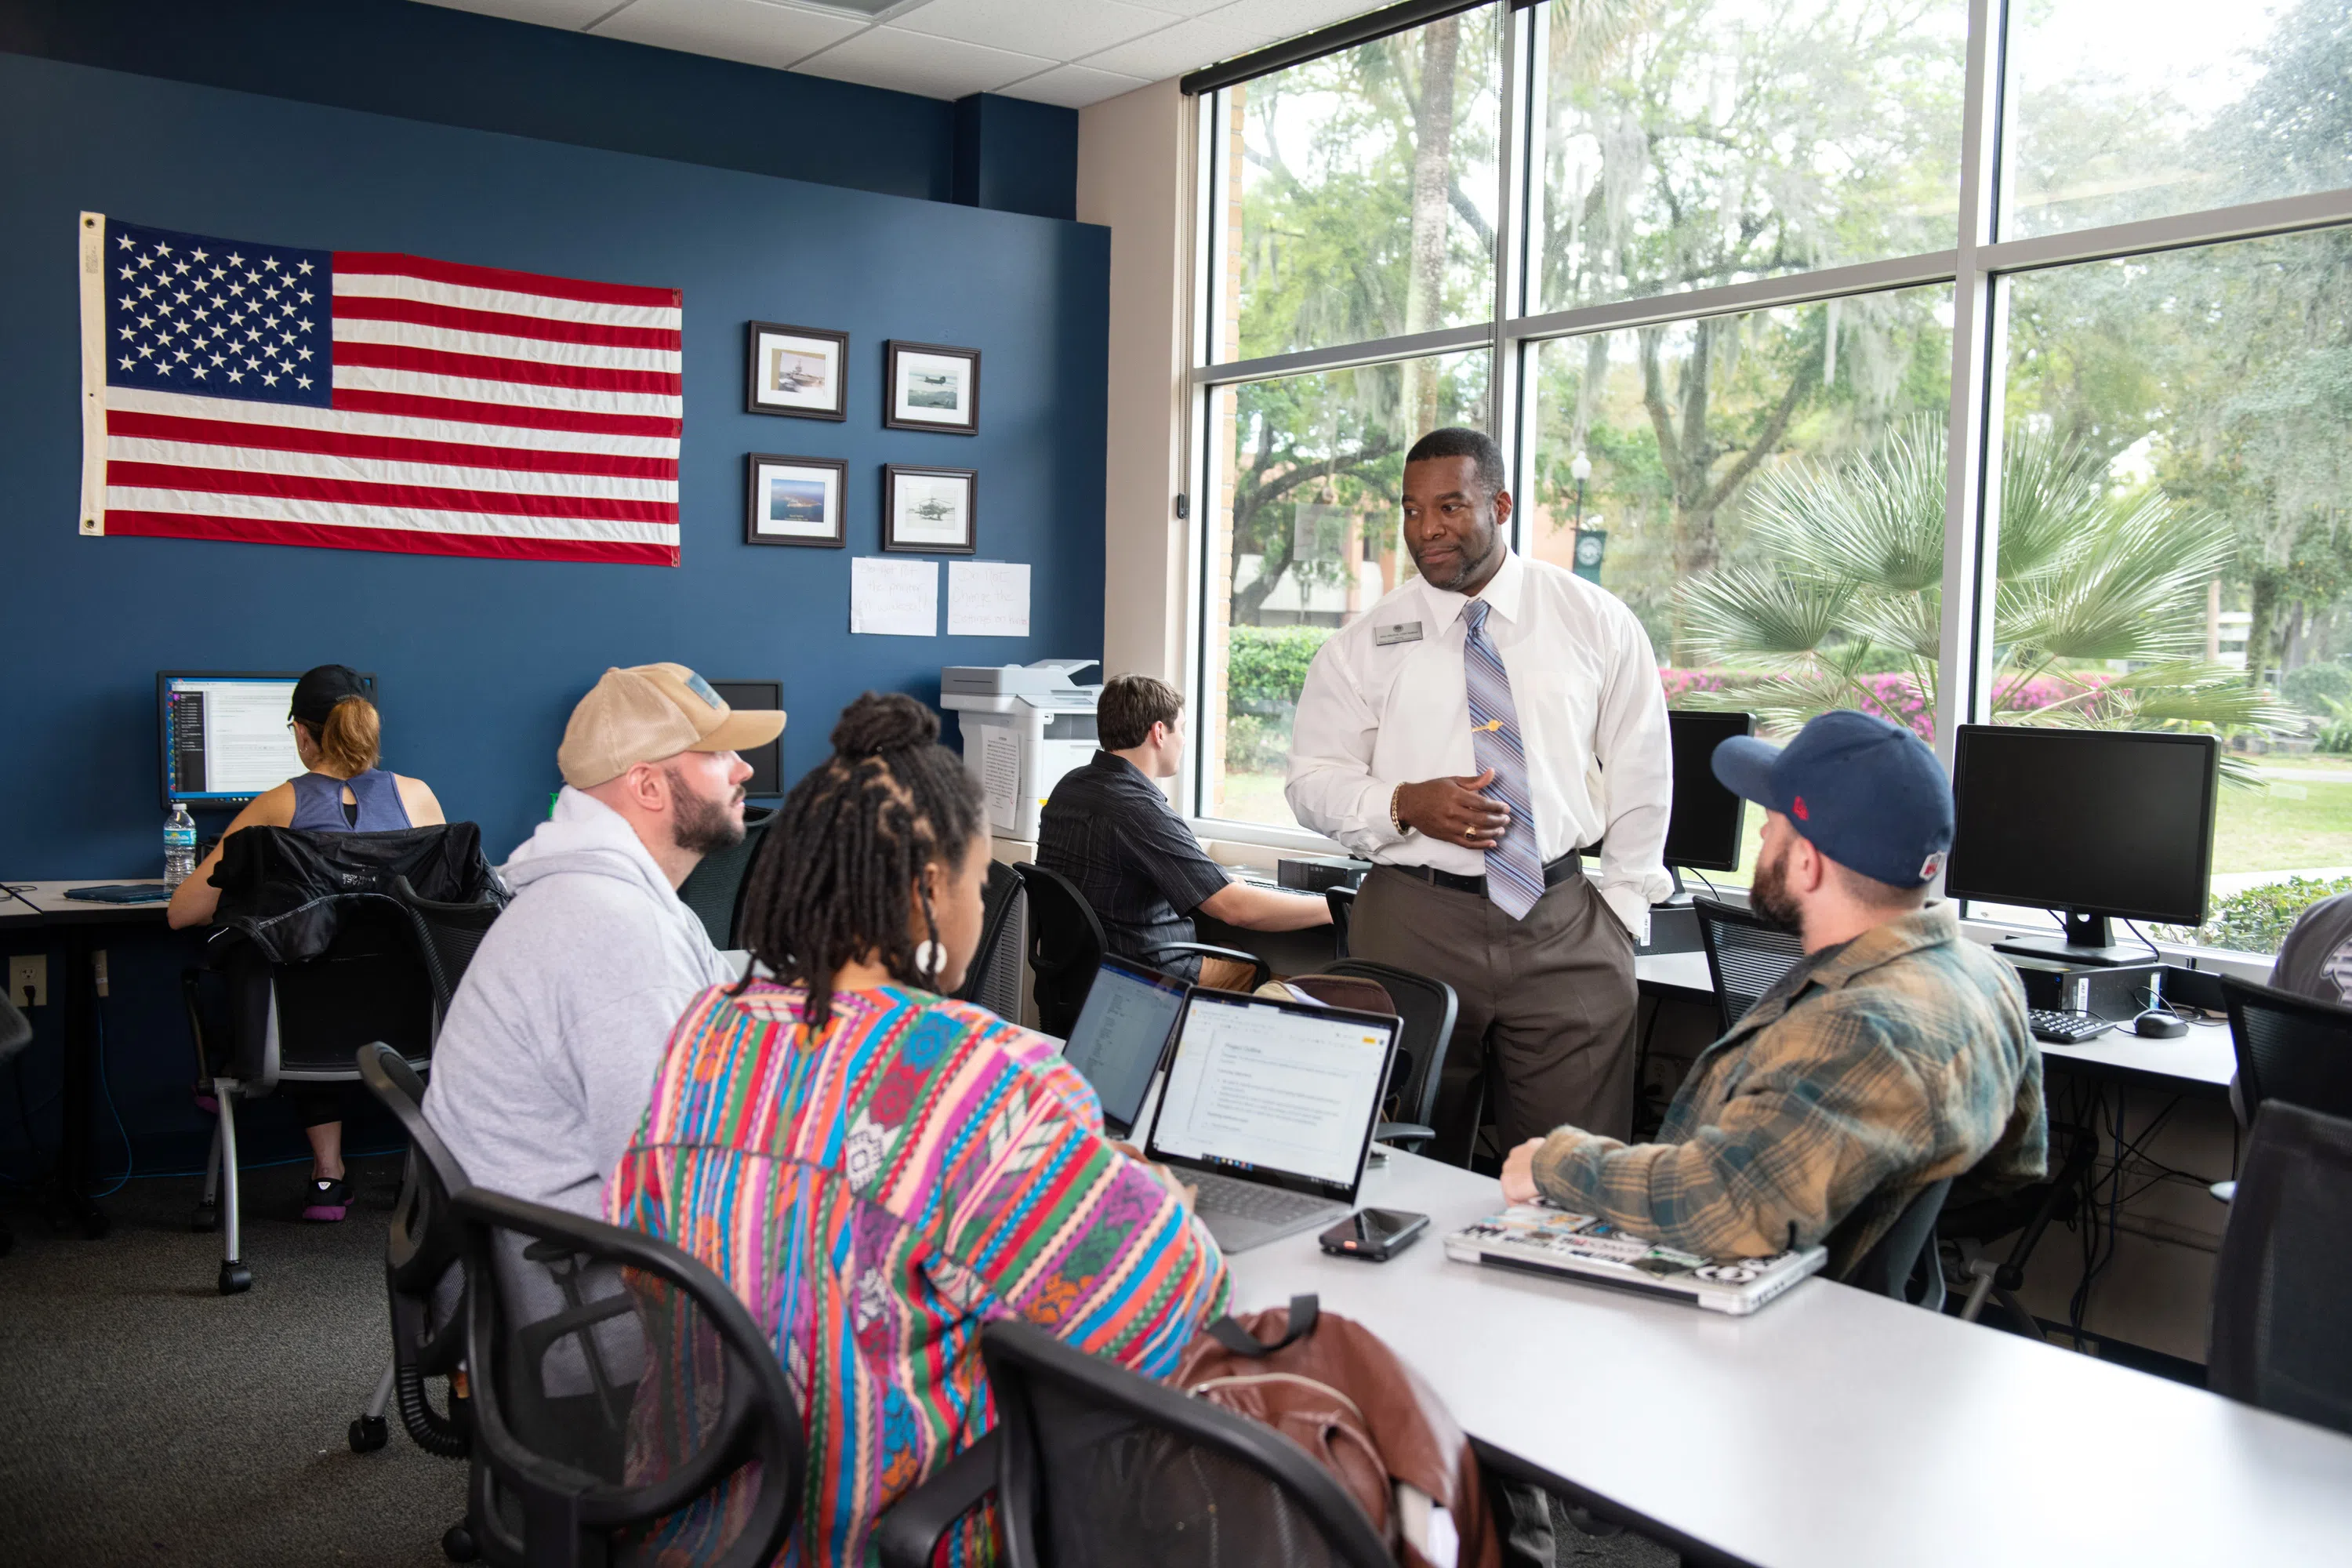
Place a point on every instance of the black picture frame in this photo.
(898, 539)
(756, 389)
(834, 537)
(901, 414)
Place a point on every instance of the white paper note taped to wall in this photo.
(894, 598)
(988, 599)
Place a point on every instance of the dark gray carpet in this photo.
(146, 1418)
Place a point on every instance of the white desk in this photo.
(1833, 1429)
(2201, 1062)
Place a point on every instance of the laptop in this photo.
(1269, 1108)
(1121, 1035)
(1542, 1240)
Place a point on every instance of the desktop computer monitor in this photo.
(2094, 824)
(1704, 831)
(224, 733)
(767, 762)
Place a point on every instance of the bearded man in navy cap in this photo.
(1892, 1054)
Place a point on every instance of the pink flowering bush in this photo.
(1891, 696)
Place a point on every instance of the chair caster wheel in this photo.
(457, 1544)
(235, 1279)
(206, 1220)
(369, 1433)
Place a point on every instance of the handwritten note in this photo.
(988, 599)
(894, 598)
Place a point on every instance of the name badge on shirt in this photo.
(1403, 631)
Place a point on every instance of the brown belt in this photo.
(1556, 872)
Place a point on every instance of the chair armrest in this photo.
(911, 1531)
(1406, 1135)
(1260, 970)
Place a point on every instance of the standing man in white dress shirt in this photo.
(1472, 733)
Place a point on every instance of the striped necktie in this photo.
(1514, 866)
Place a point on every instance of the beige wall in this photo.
(1135, 158)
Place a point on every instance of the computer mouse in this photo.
(2159, 1024)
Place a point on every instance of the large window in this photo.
(1763, 305)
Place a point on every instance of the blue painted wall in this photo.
(480, 661)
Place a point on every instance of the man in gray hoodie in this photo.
(546, 1060)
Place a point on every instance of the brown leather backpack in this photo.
(1330, 1385)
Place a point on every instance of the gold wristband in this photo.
(1394, 820)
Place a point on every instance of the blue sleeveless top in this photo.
(319, 803)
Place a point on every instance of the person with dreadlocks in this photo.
(877, 1170)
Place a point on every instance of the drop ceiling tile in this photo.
(1056, 29)
(569, 14)
(1074, 87)
(1172, 51)
(749, 30)
(918, 62)
(1287, 19)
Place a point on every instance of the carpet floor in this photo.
(144, 1417)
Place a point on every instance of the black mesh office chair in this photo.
(714, 888)
(1095, 1464)
(424, 1283)
(1066, 946)
(305, 1023)
(1342, 904)
(2285, 1266)
(449, 935)
(647, 1419)
(1903, 1263)
(15, 1034)
(1746, 955)
(2290, 1048)
(993, 980)
(1428, 1008)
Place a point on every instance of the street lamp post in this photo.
(1581, 470)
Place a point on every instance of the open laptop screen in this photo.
(1116, 1042)
(1269, 1089)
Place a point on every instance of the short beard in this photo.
(702, 825)
(1768, 895)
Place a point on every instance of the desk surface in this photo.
(49, 905)
(2201, 1061)
(1833, 1429)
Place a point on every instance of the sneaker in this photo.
(328, 1200)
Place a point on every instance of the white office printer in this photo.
(1024, 725)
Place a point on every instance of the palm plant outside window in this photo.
(1903, 375)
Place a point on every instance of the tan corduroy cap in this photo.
(649, 712)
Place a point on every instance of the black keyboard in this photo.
(1247, 1200)
(2064, 1028)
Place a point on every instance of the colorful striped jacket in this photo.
(876, 1196)
(1868, 1071)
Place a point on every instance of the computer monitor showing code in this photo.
(224, 735)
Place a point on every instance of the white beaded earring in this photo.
(929, 958)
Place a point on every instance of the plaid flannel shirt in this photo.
(1871, 1070)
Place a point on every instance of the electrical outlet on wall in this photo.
(29, 971)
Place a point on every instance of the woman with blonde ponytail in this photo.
(338, 737)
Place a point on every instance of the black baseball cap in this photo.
(1865, 792)
(316, 694)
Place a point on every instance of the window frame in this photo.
(1977, 267)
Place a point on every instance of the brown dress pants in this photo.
(1551, 997)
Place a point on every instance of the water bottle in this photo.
(179, 846)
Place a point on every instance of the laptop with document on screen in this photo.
(1269, 1108)
(1121, 1035)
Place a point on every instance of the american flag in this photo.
(363, 400)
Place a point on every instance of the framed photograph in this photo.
(794, 500)
(930, 386)
(800, 372)
(930, 510)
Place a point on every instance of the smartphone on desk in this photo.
(1374, 1234)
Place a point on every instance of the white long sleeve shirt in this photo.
(1385, 704)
